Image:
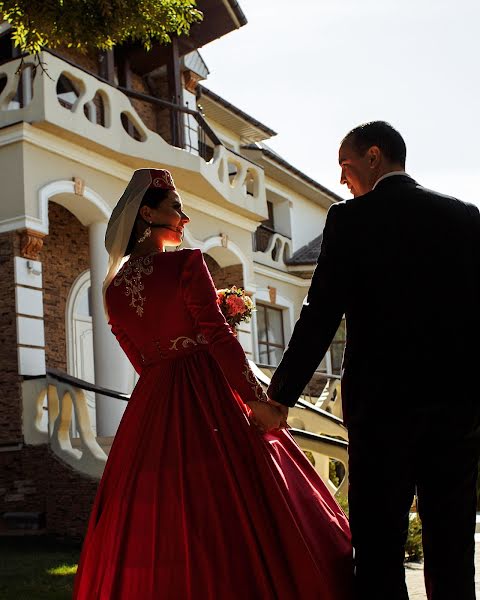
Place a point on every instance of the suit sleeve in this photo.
(133, 354)
(318, 322)
(201, 299)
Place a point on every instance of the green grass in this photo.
(36, 569)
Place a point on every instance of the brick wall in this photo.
(65, 256)
(146, 111)
(10, 381)
(85, 61)
(34, 480)
(226, 276)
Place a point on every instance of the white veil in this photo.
(122, 219)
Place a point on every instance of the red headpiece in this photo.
(161, 178)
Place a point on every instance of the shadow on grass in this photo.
(37, 568)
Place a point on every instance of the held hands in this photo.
(283, 412)
(268, 416)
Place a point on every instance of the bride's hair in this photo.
(152, 198)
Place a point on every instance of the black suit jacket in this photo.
(403, 264)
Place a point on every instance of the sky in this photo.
(314, 69)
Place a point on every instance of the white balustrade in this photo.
(63, 401)
(318, 429)
(101, 116)
(279, 250)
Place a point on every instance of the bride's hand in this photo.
(265, 416)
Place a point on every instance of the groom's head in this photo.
(369, 151)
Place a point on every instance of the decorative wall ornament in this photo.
(272, 291)
(79, 186)
(191, 80)
(224, 238)
(31, 243)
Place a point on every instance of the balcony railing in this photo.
(101, 115)
(271, 248)
(55, 412)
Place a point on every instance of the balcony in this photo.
(75, 105)
(271, 248)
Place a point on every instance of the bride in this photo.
(203, 496)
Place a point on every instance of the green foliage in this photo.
(343, 503)
(310, 456)
(414, 547)
(101, 24)
(332, 472)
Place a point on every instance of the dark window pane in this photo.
(275, 326)
(261, 325)
(271, 341)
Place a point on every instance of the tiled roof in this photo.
(307, 255)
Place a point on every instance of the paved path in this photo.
(416, 586)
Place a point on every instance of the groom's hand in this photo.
(283, 411)
(265, 416)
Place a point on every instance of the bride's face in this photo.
(169, 213)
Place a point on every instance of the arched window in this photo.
(80, 336)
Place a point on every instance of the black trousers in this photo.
(435, 456)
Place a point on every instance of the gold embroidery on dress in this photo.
(253, 381)
(200, 339)
(131, 274)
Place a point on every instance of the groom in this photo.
(402, 263)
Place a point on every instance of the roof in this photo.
(239, 121)
(308, 254)
(220, 17)
(272, 155)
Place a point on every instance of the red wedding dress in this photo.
(195, 503)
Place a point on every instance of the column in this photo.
(112, 368)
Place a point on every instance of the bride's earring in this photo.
(146, 234)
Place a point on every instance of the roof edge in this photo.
(235, 110)
(289, 167)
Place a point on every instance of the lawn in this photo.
(36, 569)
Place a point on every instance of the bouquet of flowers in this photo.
(235, 305)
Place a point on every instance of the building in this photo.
(72, 130)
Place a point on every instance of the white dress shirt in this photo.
(391, 174)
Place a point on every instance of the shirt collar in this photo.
(391, 174)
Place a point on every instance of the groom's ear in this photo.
(374, 156)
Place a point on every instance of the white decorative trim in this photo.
(31, 361)
(29, 302)
(281, 276)
(28, 272)
(68, 187)
(218, 212)
(20, 223)
(24, 132)
(216, 242)
(30, 332)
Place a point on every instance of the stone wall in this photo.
(10, 380)
(65, 256)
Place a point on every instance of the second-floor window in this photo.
(265, 230)
(271, 336)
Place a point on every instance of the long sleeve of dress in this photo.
(319, 319)
(132, 352)
(201, 299)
